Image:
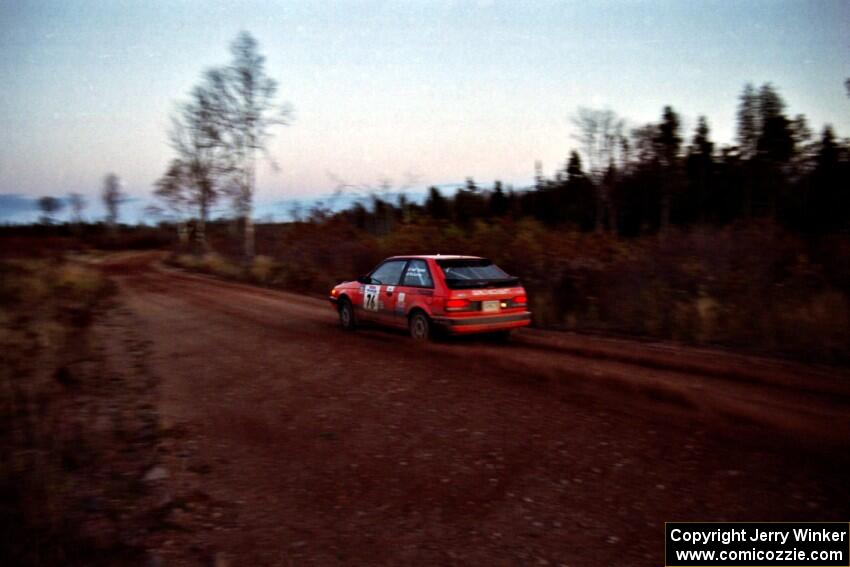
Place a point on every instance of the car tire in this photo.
(346, 315)
(419, 326)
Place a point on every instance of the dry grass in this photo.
(45, 307)
(219, 266)
(210, 263)
(263, 269)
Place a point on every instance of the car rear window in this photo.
(474, 272)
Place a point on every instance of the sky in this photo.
(417, 92)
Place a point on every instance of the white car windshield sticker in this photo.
(370, 297)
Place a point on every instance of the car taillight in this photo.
(520, 300)
(457, 304)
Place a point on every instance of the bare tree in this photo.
(643, 144)
(193, 178)
(600, 133)
(244, 99)
(172, 191)
(49, 206)
(78, 203)
(112, 198)
(383, 189)
(217, 135)
(748, 122)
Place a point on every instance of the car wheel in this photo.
(420, 327)
(346, 315)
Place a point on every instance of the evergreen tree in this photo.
(830, 194)
(775, 142)
(469, 204)
(574, 171)
(702, 146)
(700, 165)
(667, 140)
(436, 205)
(803, 157)
(498, 205)
(775, 148)
(827, 157)
(668, 143)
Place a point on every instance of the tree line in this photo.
(621, 179)
(645, 179)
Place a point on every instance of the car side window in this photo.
(388, 273)
(417, 275)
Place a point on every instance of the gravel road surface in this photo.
(286, 441)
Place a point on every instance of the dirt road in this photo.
(287, 441)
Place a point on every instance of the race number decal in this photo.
(370, 297)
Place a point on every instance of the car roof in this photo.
(434, 257)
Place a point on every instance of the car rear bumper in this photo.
(483, 323)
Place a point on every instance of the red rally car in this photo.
(457, 294)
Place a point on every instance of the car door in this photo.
(416, 283)
(379, 295)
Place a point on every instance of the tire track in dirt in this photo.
(748, 394)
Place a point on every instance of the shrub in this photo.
(188, 261)
(219, 266)
(262, 269)
(753, 286)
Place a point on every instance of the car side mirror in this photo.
(364, 280)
